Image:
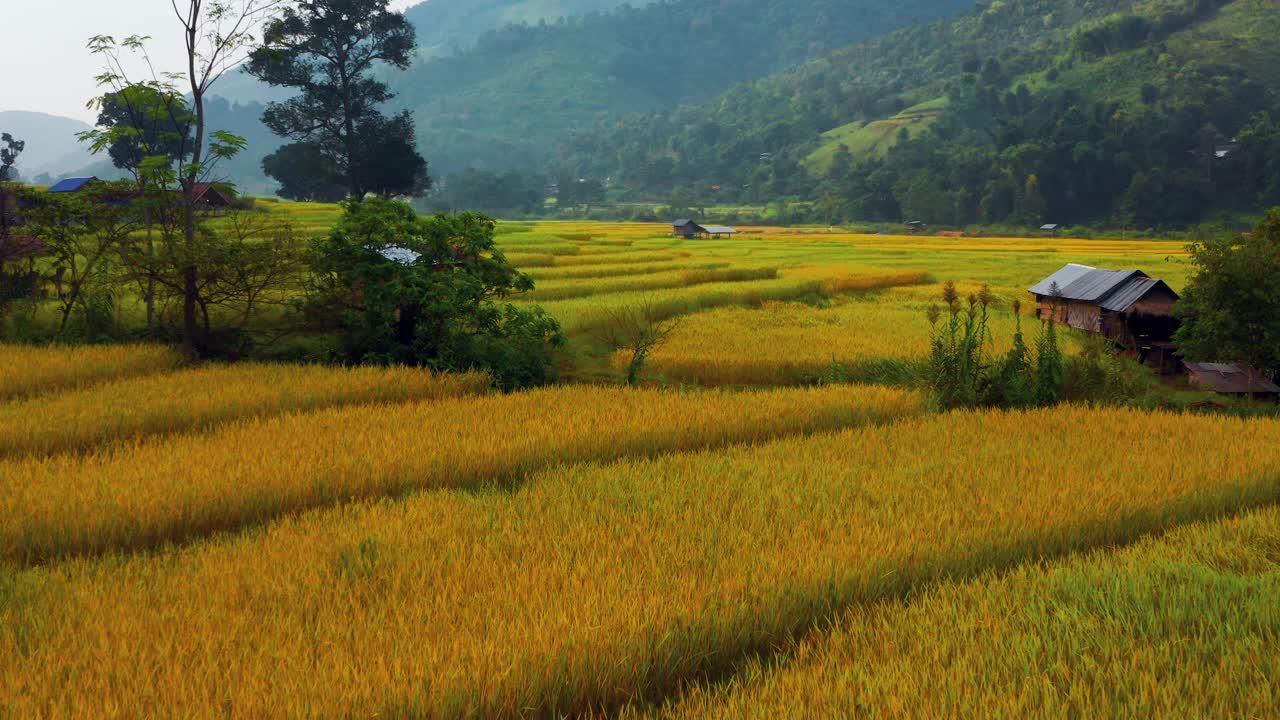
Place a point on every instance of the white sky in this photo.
(44, 65)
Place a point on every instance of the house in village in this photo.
(1236, 380)
(1127, 307)
(689, 229)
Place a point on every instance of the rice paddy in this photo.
(271, 540)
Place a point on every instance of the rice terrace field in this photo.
(775, 523)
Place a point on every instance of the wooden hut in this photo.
(1229, 379)
(209, 196)
(1127, 307)
(688, 229)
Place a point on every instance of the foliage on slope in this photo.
(510, 99)
(1094, 111)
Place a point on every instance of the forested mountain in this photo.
(509, 101)
(444, 27)
(1151, 113)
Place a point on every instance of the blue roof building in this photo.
(70, 185)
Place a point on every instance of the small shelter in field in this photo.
(1127, 307)
(719, 231)
(1230, 379)
(1050, 229)
(688, 229)
(210, 197)
(72, 185)
(917, 226)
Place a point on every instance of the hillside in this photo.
(444, 27)
(513, 98)
(51, 141)
(508, 101)
(447, 27)
(1108, 111)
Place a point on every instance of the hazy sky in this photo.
(44, 65)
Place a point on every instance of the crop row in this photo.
(793, 343)
(593, 586)
(170, 490)
(27, 371)
(563, 289)
(199, 398)
(1181, 626)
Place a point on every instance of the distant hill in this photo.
(51, 141)
(444, 27)
(509, 99)
(1149, 113)
(447, 27)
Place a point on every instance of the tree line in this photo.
(384, 286)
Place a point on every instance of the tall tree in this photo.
(146, 130)
(216, 37)
(328, 50)
(305, 173)
(10, 149)
(143, 121)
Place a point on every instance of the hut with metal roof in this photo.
(71, 185)
(688, 229)
(1230, 379)
(1127, 307)
(719, 231)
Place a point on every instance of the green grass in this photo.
(874, 139)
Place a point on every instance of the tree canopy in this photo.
(1230, 311)
(329, 49)
(397, 288)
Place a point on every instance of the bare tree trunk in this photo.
(189, 276)
(151, 281)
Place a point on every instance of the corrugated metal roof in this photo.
(70, 184)
(1062, 278)
(1097, 285)
(1131, 292)
(1114, 290)
(1232, 379)
(1049, 226)
(719, 230)
(398, 254)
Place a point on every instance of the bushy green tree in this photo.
(330, 50)
(1230, 310)
(397, 288)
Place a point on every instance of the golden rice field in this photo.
(279, 541)
(1185, 625)
(119, 411)
(166, 490)
(30, 371)
(596, 584)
